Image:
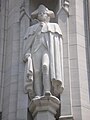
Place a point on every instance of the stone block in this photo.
(12, 116)
(21, 84)
(5, 107)
(81, 40)
(14, 78)
(83, 76)
(65, 62)
(13, 88)
(16, 32)
(65, 50)
(76, 97)
(72, 9)
(74, 64)
(79, 8)
(72, 25)
(77, 113)
(66, 102)
(0, 78)
(73, 51)
(16, 46)
(12, 103)
(21, 114)
(86, 112)
(75, 78)
(66, 77)
(80, 26)
(6, 91)
(15, 57)
(14, 69)
(22, 100)
(72, 39)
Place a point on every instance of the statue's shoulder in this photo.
(54, 27)
(34, 27)
(31, 30)
(53, 24)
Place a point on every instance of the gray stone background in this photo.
(76, 55)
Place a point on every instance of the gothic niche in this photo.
(43, 57)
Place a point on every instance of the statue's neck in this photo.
(45, 21)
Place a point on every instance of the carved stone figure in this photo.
(43, 55)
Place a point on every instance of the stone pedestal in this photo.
(67, 117)
(44, 108)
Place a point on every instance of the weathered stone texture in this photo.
(76, 44)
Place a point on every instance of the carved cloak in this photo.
(54, 45)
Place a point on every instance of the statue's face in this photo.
(42, 16)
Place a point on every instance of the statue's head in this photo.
(43, 14)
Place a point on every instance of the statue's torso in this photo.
(40, 41)
(41, 31)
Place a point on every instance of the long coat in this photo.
(55, 49)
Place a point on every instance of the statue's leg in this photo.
(45, 70)
(37, 83)
(37, 74)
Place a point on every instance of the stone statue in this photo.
(43, 55)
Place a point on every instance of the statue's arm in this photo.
(31, 34)
(28, 44)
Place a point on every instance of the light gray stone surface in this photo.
(68, 117)
(45, 107)
(43, 53)
(13, 100)
(66, 100)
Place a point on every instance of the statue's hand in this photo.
(25, 59)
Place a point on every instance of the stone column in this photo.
(44, 107)
(22, 99)
(88, 33)
(66, 99)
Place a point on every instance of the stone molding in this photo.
(67, 117)
(46, 104)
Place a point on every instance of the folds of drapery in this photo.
(28, 84)
(55, 49)
(56, 62)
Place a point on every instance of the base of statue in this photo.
(67, 117)
(44, 107)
